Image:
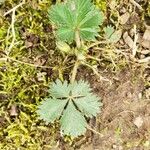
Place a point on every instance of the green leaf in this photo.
(63, 47)
(80, 88)
(109, 30)
(73, 122)
(88, 105)
(70, 103)
(88, 34)
(111, 35)
(92, 19)
(73, 16)
(65, 34)
(51, 109)
(59, 89)
(60, 15)
(115, 37)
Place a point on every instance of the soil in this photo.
(123, 103)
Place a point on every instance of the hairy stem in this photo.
(77, 39)
(74, 71)
(77, 63)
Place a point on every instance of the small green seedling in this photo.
(75, 21)
(79, 21)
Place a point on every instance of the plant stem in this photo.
(97, 43)
(77, 39)
(93, 58)
(74, 71)
(77, 63)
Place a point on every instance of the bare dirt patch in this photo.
(124, 120)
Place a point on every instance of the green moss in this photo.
(20, 84)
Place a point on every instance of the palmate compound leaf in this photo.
(76, 15)
(70, 102)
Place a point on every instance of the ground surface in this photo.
(123, 104)
(124, 121)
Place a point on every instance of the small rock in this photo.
(142, 56)
(114, 146)
(113, 4)
(13, 111)
(122, 10)
(28, 44)
(146, 35)
(146, 44)
(138, 121)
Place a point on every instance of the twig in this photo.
(144, 60)
(7, 37)
(96, 72)
(134, 48)
(112, 61)
(3, 59)
(94, 131)
(136, 4)
(91, 57)
(97, 43)
(21, 62)
(13, 33)
(13, 10)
